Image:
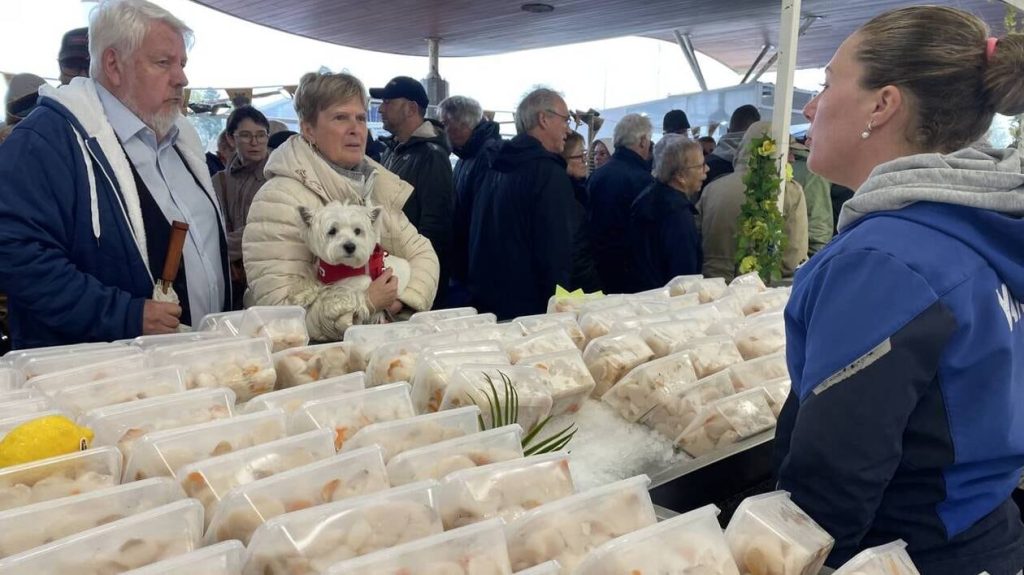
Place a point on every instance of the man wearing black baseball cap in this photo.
(74, 55)
(419, 153)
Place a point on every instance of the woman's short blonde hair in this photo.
(317, 92)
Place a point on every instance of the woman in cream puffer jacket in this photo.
(280, 267)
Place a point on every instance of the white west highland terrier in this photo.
(345, 238)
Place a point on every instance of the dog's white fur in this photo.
(346, 234)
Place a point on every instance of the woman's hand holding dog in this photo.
(383, 291)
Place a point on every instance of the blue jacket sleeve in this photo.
(864, 338)
(38, 196)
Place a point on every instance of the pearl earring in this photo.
(866, 133)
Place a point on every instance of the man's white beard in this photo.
(160, 122)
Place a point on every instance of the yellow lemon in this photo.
(48, 436)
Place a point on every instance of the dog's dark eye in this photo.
(359, 232)
(332, 231)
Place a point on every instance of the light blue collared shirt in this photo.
(179, 197)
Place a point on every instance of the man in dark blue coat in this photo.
(521, 232)
(612, 190)
(475, 140)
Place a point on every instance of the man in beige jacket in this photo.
(719, 211)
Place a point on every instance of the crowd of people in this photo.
(904, 339)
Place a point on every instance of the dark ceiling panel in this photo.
(731, 31)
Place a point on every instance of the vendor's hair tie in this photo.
(990, 48)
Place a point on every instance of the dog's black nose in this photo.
(349, 247)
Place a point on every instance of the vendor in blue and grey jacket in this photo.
(90, 183)
(905, 337)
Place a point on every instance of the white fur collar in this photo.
(81, 99)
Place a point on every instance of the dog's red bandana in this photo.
(329, 274)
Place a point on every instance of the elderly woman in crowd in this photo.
(904, 336)
(584, 271)
(327, 163)
(663, 236)
(600, 152)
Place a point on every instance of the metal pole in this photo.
(789, 37)
(686, 45)
(434, 57)
(808, 21)
(764, 52)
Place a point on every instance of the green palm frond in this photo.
(507, 413)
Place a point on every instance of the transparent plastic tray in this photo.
(241, 364)
(688, 543)
(638, 322)
(396, 361)
(484, 385)
(889, 559)
(161, 533)
(347, 414)
(710, 354)
(127, 360)
(16, 358)
(599, 323)
(571, 304)
(162, 453)
(726, 326)
(25, 528)
(283, 326)
(225, 558)
(25, 407)
(754, 373)
(761, 336)
(532, 324)
(302, 365)
(395, 437)
(466, 322)
(680, 285)
(727, 421)
(506, 490)
(570, 528)
(211, 479)
(365, 339)
(123, 424)
(649, 385)
(778, 392)
(149, 342)
(660, 337)
(473, 550)
(568, 379)
(752, 279)
(311, 540)
(611, 357)
(708, 289)
(540, 343)
(226, 323)
(146, 384)
(55, 477)
(770, 534)
(438, 460)
(770, 300)
(19, 395)
(434, 372)
(292, 398)
(40, 361)
(432, 317)
(243, 509)
(684, 403)
(10, 378)
(502, 333)
(546, 568)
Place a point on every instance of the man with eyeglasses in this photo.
(74, 55)
(248, 131)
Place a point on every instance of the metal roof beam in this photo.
(757, 61)
(691, 56)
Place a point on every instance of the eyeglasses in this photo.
(252, 137)
(564, 117)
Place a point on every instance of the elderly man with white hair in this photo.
(475, 140)
(89, 186)
(612, 190)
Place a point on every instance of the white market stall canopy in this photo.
(731, 31)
